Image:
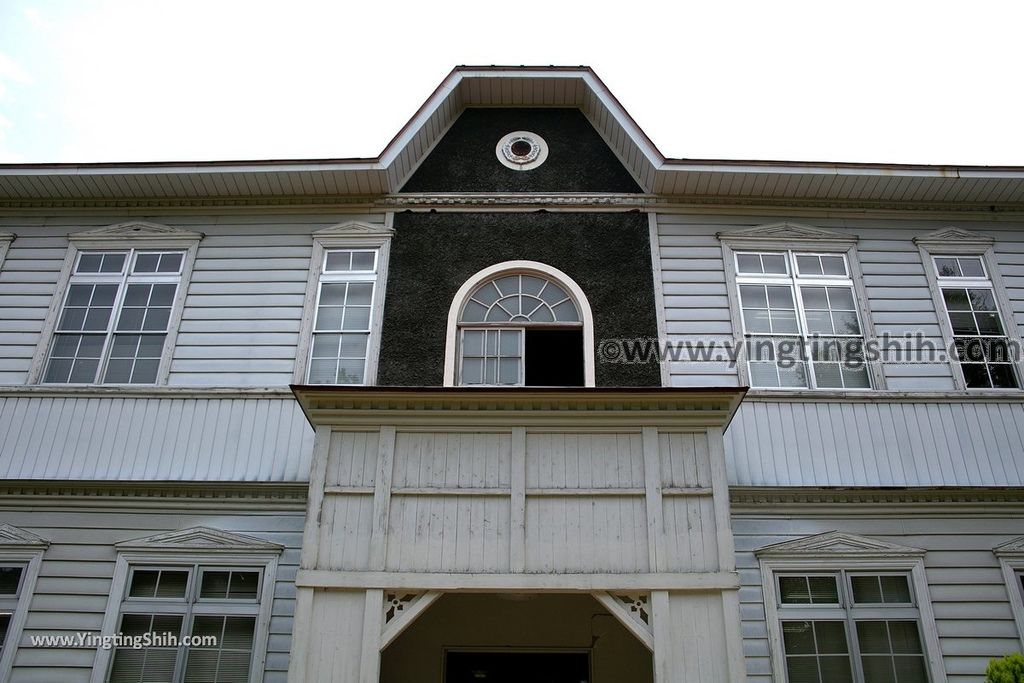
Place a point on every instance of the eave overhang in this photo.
(371, 407)
(369, 180)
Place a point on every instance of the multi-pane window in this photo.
(114, 319)
(847, 626)
(344, 316)
(981, 342)
(520, 329)
(800, 321)
(11, 579)
(197, 624)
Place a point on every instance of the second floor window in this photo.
(114, 319)
(800, 321)
(344, 315)
(979, 336)
(11, 579)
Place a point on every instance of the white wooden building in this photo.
(379, 419)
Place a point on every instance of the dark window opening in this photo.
(516, 667)
(554, 358)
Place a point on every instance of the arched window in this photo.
(520, 323)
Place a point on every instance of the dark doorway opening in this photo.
(517, 667)
(554, 358)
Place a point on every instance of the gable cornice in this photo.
(836, 544)
(13, 538)
(953, 236)
(354, 229)
(202, 539)
(786, 231)
(136, 230)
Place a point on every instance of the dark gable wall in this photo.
(433, 254)
(465, 161)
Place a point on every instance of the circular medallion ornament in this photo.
(522, 150)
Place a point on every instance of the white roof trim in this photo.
(202, 539)
(11, 537)
(836, 544)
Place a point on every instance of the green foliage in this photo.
(1009, 669)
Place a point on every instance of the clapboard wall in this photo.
(240, 324)
(969, 597)
(76, 574)
(697, 306)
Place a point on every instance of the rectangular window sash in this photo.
(978, 326)
(343, 318)
(803, 330)
(115, 317)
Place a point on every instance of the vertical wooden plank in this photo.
(652, 482)
(382, 497)
(517, 534)
(373, 618)
(720, 494)
(317, 477)
(301, 635)
(661, 620)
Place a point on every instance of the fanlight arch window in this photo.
(523, 325)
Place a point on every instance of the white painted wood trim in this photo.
(373, 617)
(653, 503)
(661, 623)
(517, 514)
(617, 610)
(955, 370)
(5, 242)
(510, 267)
(317, 477)
(735, 312)
(733, 636)
(301, 635)
(518, 583)
(659, 294)
(1011, 563)
(178, 309)
(914, 564)
(875, 370)
(720, 493)
(35, 371)
(33, 560)
(371, 237)
(382, 497)
(405, 619)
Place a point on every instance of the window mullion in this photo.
(115, 313)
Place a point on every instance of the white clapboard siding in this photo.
(240, 324)
(876, 443)
(157, 439)
(898, 298)
(77, 571)
(969, 597)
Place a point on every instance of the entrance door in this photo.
(517, 667)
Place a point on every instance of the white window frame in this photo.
(196, 562)
(124, 237)
(840, 559)
(795, 281)
(355, 235)
(788, 236)
(22, 549)
(983, 249)
(453, 354)
(1011, 561)
(5, 244)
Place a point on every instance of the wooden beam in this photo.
(619, 611)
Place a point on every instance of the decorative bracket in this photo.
(633, 610)
(401, 608)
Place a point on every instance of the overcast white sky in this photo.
(130, 80)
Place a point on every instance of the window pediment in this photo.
(785, 231)
(135, 230)
(12, 537)
(953, 236)
(354, 229)
(1012, 549)
(836, 544)
(202, 539)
